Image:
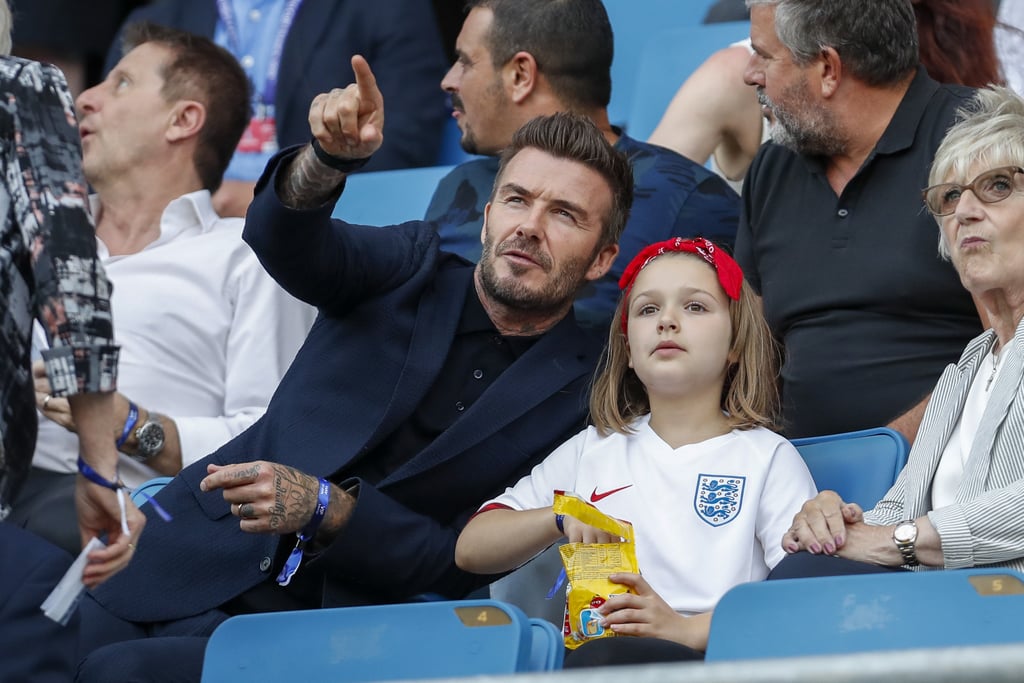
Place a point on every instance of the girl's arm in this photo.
(644, 613)
(500, 539)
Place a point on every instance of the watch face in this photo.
(905, 533)
(151, 438)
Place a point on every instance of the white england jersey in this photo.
(707, 516)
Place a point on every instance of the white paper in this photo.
(62, 600)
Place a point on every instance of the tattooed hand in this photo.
(267, 497)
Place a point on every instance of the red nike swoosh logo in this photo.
(595, 496)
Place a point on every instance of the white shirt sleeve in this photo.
(267, 329)
(788, 486)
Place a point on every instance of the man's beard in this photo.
(559, 290)
(804, 127)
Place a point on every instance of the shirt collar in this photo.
(902, 128)
(192, 212)
(474, 318)
(899, 134)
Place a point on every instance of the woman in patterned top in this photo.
(49, 271)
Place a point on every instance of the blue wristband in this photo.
(133, 417)
(291, 565)
(97, 478)
(560, 523)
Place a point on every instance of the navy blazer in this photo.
(399, 38)
(389, 303)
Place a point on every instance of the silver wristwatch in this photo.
(149, 438)
(905, 536)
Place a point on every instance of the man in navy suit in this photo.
(426, 385)
(293, 49)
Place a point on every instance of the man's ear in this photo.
(830, 71)
(187, 118)
(483, 228)
(602, 263)
(521, 76)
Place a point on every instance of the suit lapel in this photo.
(199, 17)
(436, 322)
(557, 359)
(310, 22)
(1004, 390)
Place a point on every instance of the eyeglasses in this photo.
(990, 187)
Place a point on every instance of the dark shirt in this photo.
(672, 196)
(479, 354)
(853, 285)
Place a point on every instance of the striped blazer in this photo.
(985, 526)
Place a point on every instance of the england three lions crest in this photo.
(718, 497)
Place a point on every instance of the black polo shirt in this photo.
(853, 286)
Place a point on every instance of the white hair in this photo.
(990, 131)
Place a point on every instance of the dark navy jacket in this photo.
(389, 304)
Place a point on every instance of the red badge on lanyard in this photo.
(261, 134)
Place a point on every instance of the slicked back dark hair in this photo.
(876, 39)
(566, 135)
(203, 71)
(571, 40)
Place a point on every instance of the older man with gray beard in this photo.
(834, 235)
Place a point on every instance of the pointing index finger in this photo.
(366, 81)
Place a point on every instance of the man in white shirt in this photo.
(206, 334)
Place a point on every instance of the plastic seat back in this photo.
(860, 466)
(668, 58)
(867, 612)
(388, 197)
(148, 488)
(378, 643)
(547, 647)
(633, 24)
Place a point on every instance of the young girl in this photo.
(680, 447)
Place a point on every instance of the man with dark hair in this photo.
(207, 333)
(426, 385)
(518, 59)
(834, 235)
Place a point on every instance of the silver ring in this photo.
(46, 401)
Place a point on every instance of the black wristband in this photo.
(337, 163)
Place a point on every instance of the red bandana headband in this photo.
(730, 276)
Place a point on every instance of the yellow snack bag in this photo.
(587, 567)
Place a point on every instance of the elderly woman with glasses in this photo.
(959, 502)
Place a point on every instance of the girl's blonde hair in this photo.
(750, 394)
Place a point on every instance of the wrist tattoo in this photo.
(308, 183)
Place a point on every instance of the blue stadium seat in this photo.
(379, 643)
(389, 197)
(868, 612)
(451, 153)
(632, 24)
(860, 466)
(547, 647)
(148, 488)
(669, 57)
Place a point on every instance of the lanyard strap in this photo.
(291, 565)
(227, 15)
